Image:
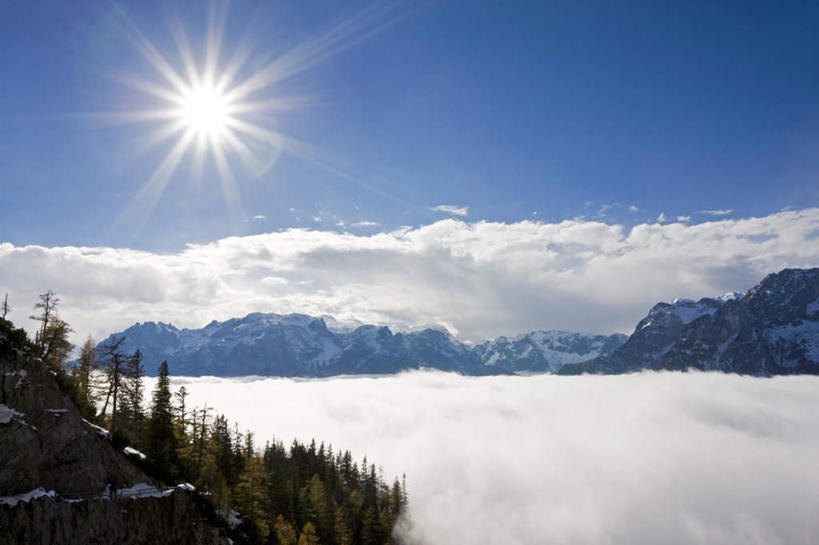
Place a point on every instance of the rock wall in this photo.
(45, 444)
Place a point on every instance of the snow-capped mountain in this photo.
(545, 351)
(301, 345)
(772, 330)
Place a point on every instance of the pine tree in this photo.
(113, 364)
(48, 307)
(160, 437)
(132, 415)
(251, 491)
(343, 527)
(180, 396)
(285, 533)
(308, 535)
(83, 372)
(56, 348)
(318, 507)
(5, 307)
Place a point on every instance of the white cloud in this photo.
(641, 459)
(365, 223)
(340, 223)
(259, 217)
(683, 218)
(451, 209)
(717, 212)
(661, 218)
(483, 278)
(633, 208)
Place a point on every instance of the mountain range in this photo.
(772, 329)
(297, 345)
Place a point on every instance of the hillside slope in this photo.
(63, 482)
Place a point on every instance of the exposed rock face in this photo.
(45, 443)
(300, 345)
(144, 521)
(772, 330)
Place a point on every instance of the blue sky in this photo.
(507, 109)
(493, 168)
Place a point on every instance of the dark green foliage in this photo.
(11, 338)
(160, 433)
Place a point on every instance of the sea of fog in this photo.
(637, 459)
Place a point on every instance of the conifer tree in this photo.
(55, 346)
(161, 440)
(285, 533)
(83, 372)
(343, 527)
(180, 396)
(131, 411)
(47, 307)
(308, 535)
(251, 497)
(112, 363)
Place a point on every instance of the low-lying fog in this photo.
(638, 459)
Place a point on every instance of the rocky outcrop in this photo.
(175, 518)
(771, 330)
(59, 474)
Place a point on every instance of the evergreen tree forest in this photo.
(268, 493)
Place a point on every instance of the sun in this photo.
(219, 110)
(205, 111)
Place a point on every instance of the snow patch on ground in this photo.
(133, 452)
(12, 501)
(7, 413)
(100, 431)
(21, 374)
(234, 519)
(142, 490)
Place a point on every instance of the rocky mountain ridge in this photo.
(771, 330)
(304, 346)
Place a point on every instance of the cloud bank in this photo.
(640, 459)
(479, 279)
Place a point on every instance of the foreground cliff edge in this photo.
(63, 481)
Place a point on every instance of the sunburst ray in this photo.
(205, 104)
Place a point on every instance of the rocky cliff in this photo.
(62, 481)
(771, 330)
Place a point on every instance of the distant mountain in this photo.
(297, 345)
(771, 330)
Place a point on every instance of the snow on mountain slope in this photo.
(301, 345)
(771, 330)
